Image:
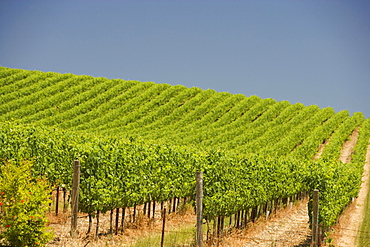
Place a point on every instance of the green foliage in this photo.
(251, 150)
(338, 184)
(24, 201)
(334, 147)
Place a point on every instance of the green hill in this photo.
(170, 114)
(144, 141)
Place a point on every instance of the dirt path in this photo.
(350, 221)
(348, 146)
(321, 149)
(288, 227)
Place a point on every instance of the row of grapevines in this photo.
(296, 136)
(253, 113)
(146, 123)
(142, 111)
(274, 134)
(184, 109)
(7, 74)
(252, 134)
(51, 149)
(104, 112)
(15, 81)
(173, 131)
(32, 84)
(136, 99)
(71, 107)
(238, 106)
(44, 103)
(333, 149)
(114, 172)
(247, 182)
(119, 173)
(237, 111)
(91, 109)
(61, 103)
(115, 168)
(359, 154)
(177, 111)
(217, 112)
(236, 137)
(311, 144)
(200, 111)
(338, 183)
(211, 131)
(117, 116)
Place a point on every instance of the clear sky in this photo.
(308, 51)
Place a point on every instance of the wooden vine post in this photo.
(75, 189)
(199, 208)
(315, 219)
(163, 226)
(57, 201)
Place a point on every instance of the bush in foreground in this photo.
(24, 200)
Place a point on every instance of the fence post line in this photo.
(75, 189)
(199, 208)
(315, 218)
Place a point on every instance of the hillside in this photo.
(170, 114)
(142, 142)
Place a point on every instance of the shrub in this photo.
(24, 200)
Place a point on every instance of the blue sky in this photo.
(308, 51)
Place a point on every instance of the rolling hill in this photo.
(252, 150)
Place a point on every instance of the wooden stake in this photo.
(254, 214)
(64, 200)
(153, 209)
(123, 220)
(174, 205)
(144, 208)
(117, 220)
(75, 188)
(57, 202)
(163, 226)
(111, 222)
(237, 219)
(315, 218)
(134, 216)
(149, 204)
(97, 224)
(218, 227)
(222, 226)
(90, 224)
(215, 227)
(199, 208)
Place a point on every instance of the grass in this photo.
(364, 235)
(179, 231)
(179, 237)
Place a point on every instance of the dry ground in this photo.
(143, 227)
(288, 227)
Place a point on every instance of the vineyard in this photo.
(141, 142)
